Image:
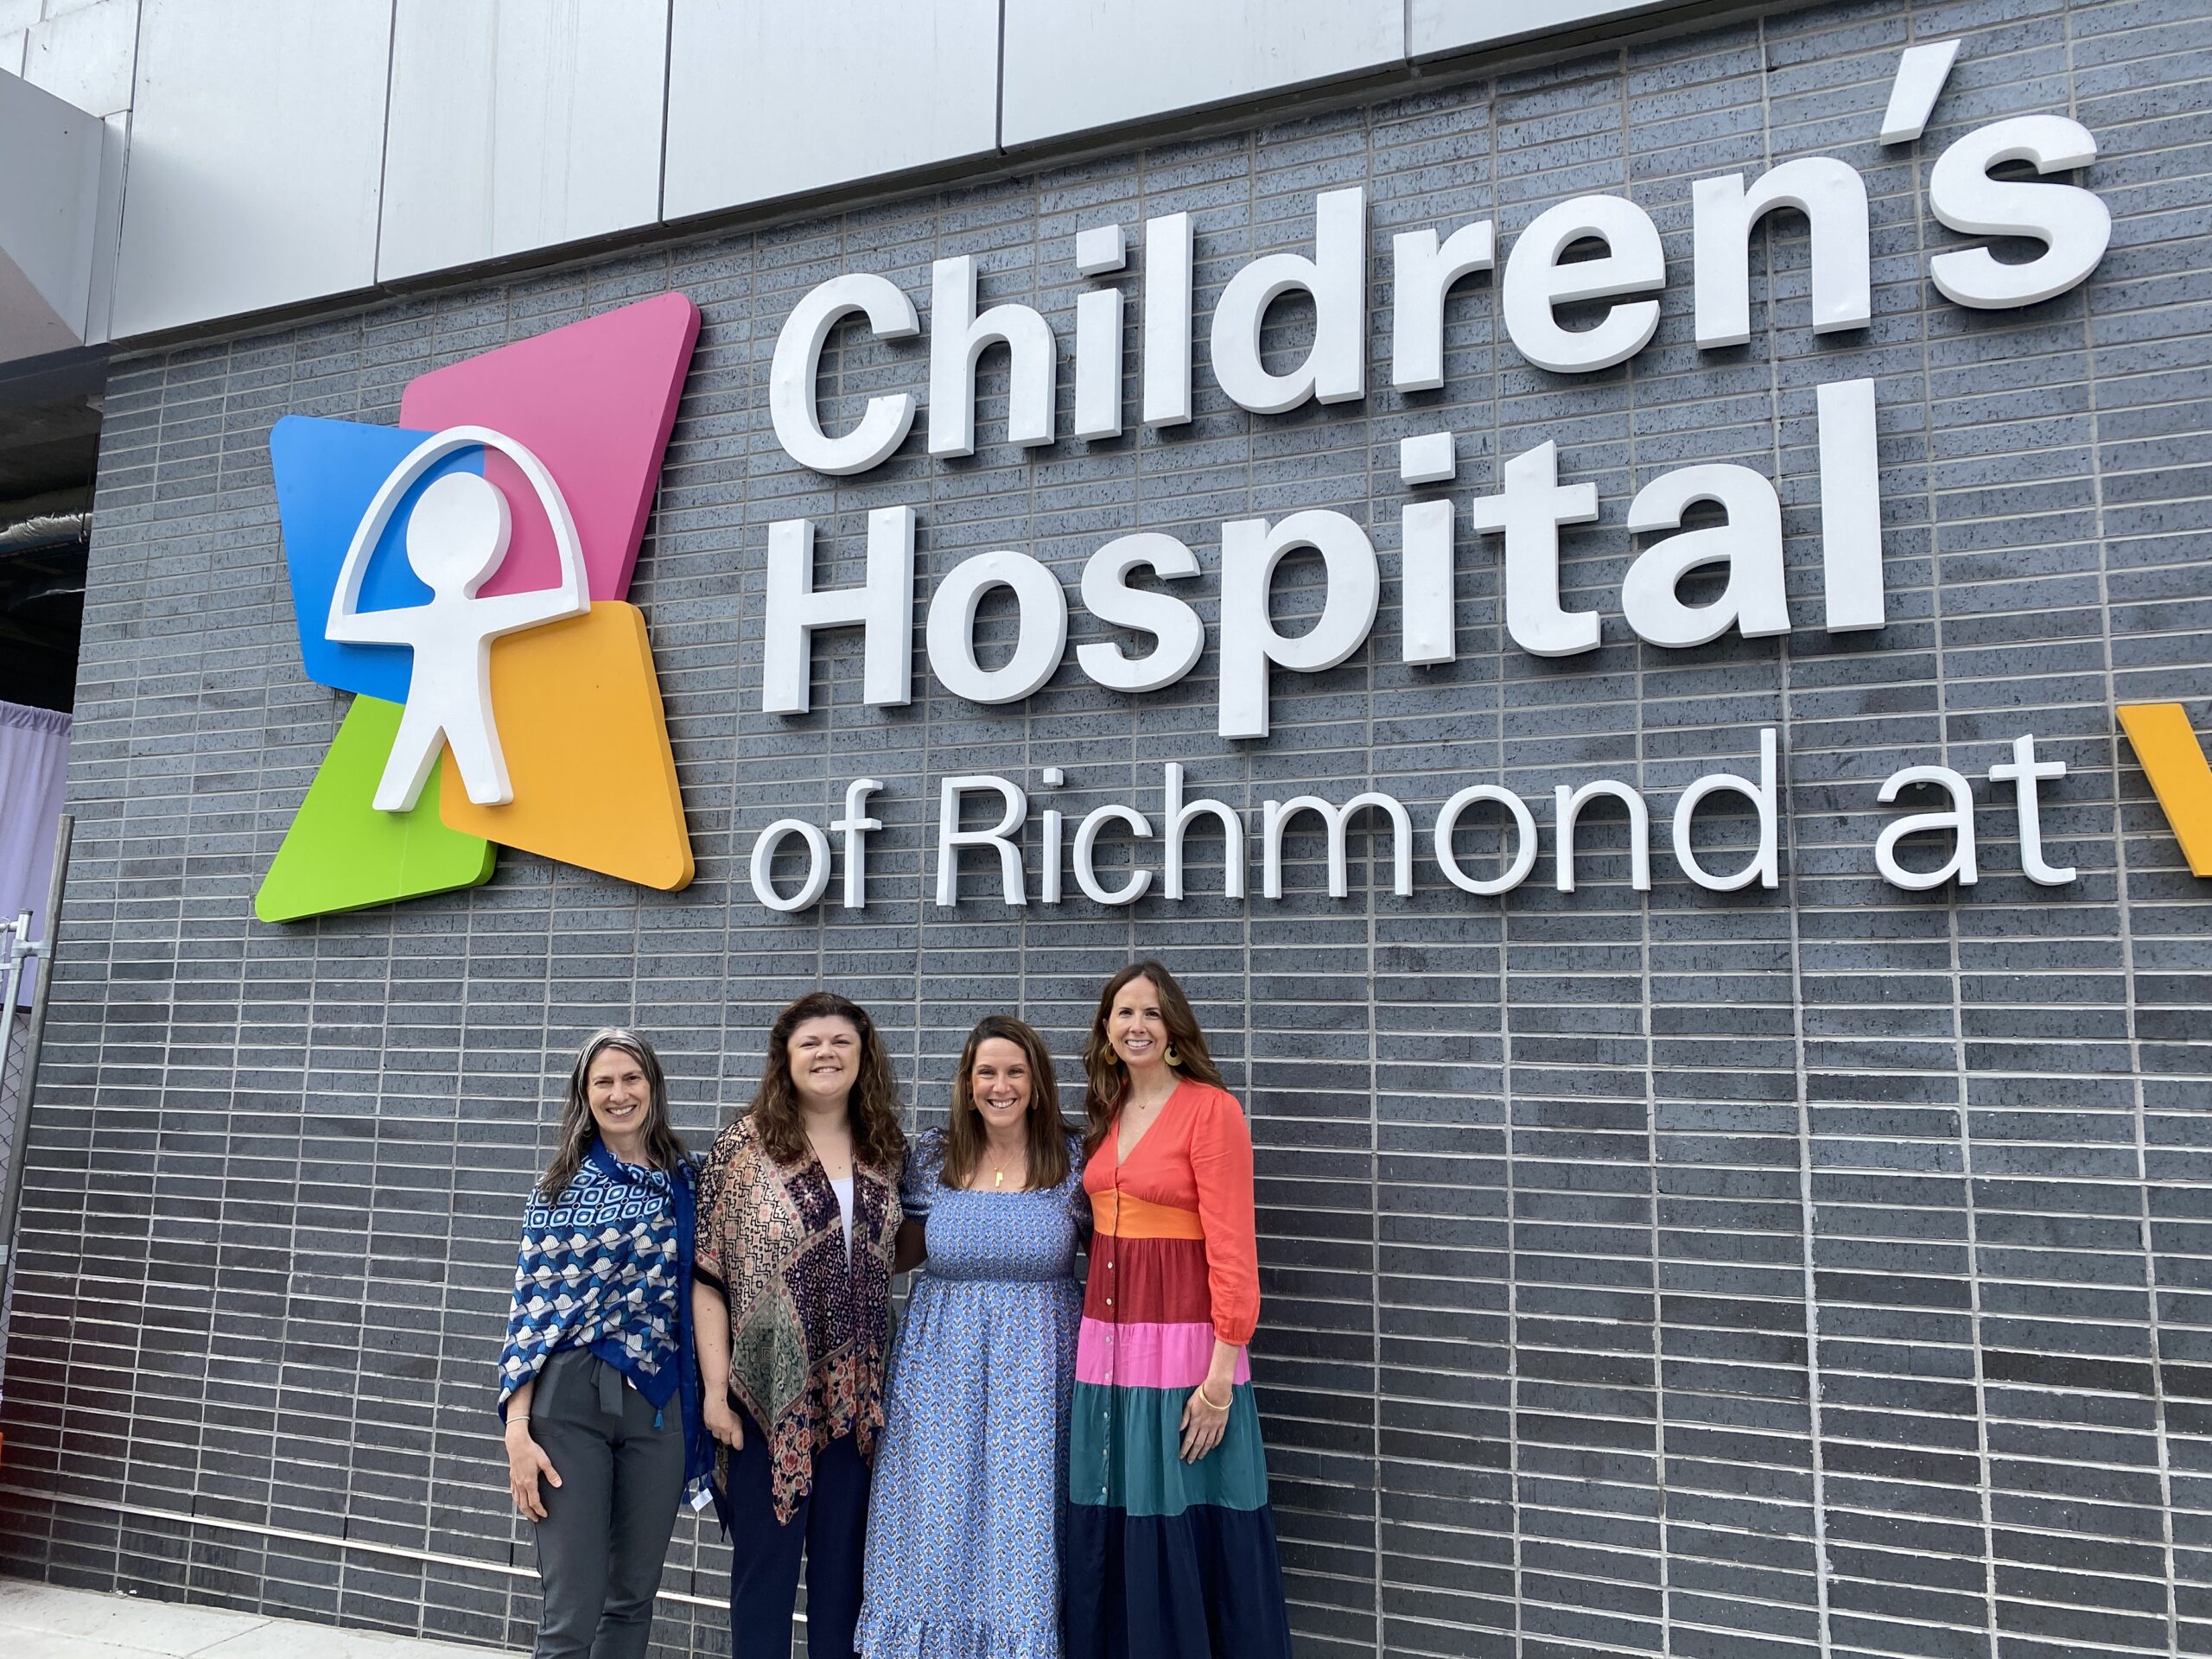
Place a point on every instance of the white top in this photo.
(843, 1189)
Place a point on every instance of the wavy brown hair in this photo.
(662, 1145)
(1048, 1131)
(1109, 1078)
(872, 1109)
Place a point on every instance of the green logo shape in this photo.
(342, 854)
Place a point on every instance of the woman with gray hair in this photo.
(599, 1380)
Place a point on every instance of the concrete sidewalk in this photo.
(43, 1621)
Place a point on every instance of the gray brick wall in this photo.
(1719, 1276)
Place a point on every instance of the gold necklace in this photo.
(998, 1175)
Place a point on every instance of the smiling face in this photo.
(1000, 1084)
(620, 1097)
(824, 1055)
(1137, 1028)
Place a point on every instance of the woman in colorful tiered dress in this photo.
(798, 1217)
(1171, 1543)
(963, 1534)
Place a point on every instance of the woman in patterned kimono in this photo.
(798, 1217)
(597, 1382)
(963, 1540)
(1171, 1542)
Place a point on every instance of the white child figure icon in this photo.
(456, 536)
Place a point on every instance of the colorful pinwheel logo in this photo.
(463, 575)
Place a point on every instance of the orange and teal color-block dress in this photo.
(1164, 1558)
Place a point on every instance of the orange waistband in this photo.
(1124, 1215)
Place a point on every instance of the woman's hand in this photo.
(526, 1461)
(723, 1423)
(710, 1332)
(1205, 1423)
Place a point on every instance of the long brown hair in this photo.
(1048, 1130)
(872, 1109)
(1109, 1078)
(662, 1145)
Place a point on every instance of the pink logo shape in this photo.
(595, 401)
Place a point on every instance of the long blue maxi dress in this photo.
(963, 1531)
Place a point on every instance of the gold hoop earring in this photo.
(1171, 1057)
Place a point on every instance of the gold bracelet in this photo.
(1208, 1398)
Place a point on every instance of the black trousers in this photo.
(830, 1524)
(605, 1535)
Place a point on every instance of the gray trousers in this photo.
(606, 1530)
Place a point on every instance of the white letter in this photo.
(958, 337)
(1335, 371)
(2072, 223)
(854, 826)
(950, 837)
(1765, 865)
(2024, 772)
(1249, 553)
(764, 858)
(1099, 251)
(1535, 282)
(1107, 596)
(1851, 590)
(1167, 319)
(1833, 198)
(1959, 820)
(1098, 364)
(883, 607)
(1524, 856)
(1529, 510)
(1427, 606)
(1178, 818)
(1039, 646)
(1750, 543)
(1421, 274)
(1048, 878)
(1086, 837)
(791, 377)
(1276, 814)
(1568, 808)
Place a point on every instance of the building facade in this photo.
(1788, 1239)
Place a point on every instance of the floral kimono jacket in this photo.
(808, 1333)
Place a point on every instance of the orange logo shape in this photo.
(595, 777)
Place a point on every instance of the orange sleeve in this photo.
(1221, 1160)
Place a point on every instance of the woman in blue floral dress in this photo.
(963, 1529)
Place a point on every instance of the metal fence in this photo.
(12, 1082)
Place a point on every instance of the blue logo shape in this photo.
(328, 472)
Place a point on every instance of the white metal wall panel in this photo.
(256, 144)
(16, 17)
(767, 98)
(48, 221)
(1455, 25)
(518, 125)
(1075, 64)
(84, 56)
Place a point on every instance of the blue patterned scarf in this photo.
(598, 1269)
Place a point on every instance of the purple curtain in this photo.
(34, 774)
